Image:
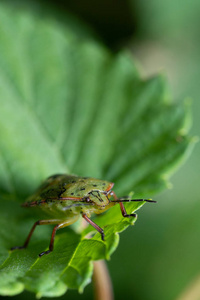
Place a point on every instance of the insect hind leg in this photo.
(40, 222)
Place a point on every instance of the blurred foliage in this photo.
(167, 39)
(112, 19)
(167, 20)
(166, 253)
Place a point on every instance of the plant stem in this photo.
(102, 282)
(192, 292)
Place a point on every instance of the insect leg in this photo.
(51, 242)
(58, 226)
(99, 229)
(40, 222)
(124, 213)
(123, 210)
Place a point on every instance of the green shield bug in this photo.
(65, 197)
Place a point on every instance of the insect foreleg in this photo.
(99, 229)
(124, 213)
(123, 210)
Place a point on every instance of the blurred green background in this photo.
(164, 37)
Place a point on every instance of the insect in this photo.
(65, 197)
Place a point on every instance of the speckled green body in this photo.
(64, 198)
(67, 196)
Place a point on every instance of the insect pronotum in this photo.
(65, 197)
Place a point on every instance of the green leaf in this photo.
(67, 105)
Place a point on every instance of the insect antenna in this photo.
(124, 199)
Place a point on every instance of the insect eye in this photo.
(87, 199)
